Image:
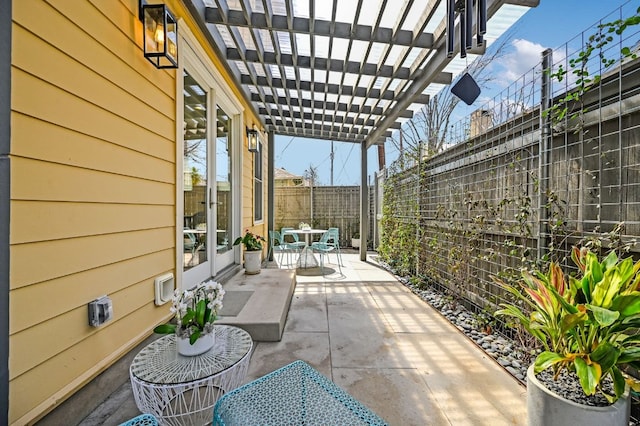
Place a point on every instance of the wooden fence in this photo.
(333, 206)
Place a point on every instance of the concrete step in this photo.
(259, 303)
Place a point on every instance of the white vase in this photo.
(252, 262)
(200, 346)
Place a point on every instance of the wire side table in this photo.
(180, 390)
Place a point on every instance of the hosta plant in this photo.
(195, 311)
(587, 324)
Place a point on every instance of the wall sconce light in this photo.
(252, 134)
(160, 35)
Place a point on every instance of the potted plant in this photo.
(195, 311)
(588, 329)
(304, 226)
(355, 240)
(253, 251)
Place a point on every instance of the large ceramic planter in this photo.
(252, 262)
(200, 346)
(355, 242)
(546, 408)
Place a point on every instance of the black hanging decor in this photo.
(466, 10)
(466, 89)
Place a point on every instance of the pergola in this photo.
(342, 70)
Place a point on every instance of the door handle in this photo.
(211, 202)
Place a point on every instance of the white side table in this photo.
(180, 390)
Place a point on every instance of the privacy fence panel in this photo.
(524, 190)
(333, 207)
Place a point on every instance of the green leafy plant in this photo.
(579, 67)
(587, 324)
(195, 311)
(251, 242)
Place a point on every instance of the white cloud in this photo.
(521, 60)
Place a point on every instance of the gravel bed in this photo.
(568, 386)
(506, 352)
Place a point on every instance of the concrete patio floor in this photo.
(386, 347)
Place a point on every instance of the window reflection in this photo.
(195, 173)
(223, 181)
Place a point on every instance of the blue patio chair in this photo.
(296, 394)
(277, 245)
(141, 420)
(329, 242)
(295, 240)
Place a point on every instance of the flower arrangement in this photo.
(252, 242)
(304, 226)
(587, 324)
(195, 311)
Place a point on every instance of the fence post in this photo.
(543, 157)
(271, 210)
(417, 213)
(364, 202)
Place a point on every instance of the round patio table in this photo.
(182, 390)
(306, 258)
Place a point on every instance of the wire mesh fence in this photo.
(523, 183)
(551, 162)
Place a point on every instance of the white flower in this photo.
(186, 300)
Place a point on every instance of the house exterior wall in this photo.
(93, 192)
(5, 189)
(288, 182)
(248, 221)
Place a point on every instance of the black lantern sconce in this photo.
(160, 35)
(252, 135)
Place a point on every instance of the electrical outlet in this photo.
(100, 311)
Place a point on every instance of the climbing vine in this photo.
(456, 227)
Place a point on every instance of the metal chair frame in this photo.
(277, 244)
(296, 240)
(328, 242)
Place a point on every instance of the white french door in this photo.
(196, 166)
(223, 192)
(208, 203)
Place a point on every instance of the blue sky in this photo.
(551, 24)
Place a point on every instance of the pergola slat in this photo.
(314, 73)
(320, 27)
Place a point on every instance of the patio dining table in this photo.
(306, 259)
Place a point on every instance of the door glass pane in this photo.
(195, 174)
(223, 181)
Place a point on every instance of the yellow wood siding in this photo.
(50, 142)
(248, 205)
(93, 193)
(93, 196)
(76, 289)
(37, 390)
